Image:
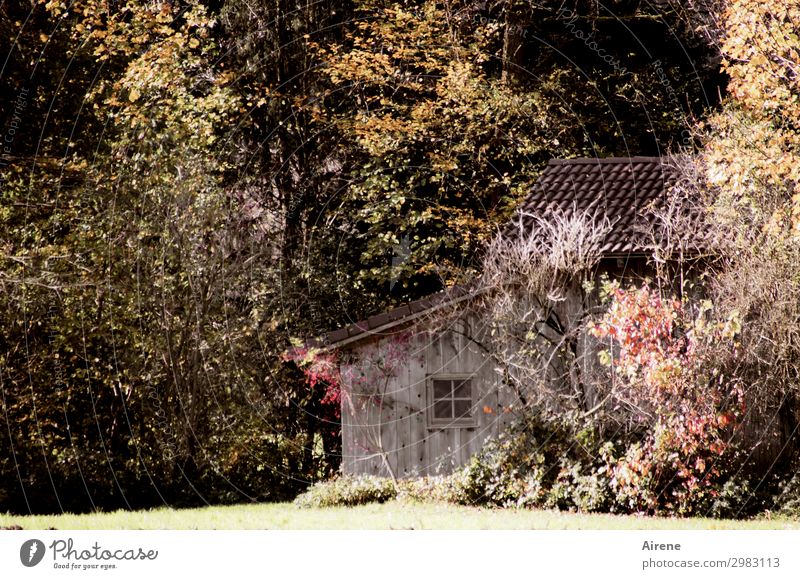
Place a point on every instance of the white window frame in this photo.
(439, 423)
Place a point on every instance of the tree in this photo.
(146, 281)
(449, 111)
(751, 169)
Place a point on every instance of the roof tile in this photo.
(621, 189)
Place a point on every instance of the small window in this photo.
(450, 401)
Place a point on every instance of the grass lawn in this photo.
(391, 515)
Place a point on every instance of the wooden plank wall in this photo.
(411, 447)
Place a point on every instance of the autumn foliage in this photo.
(752, 152)
(665, 380)
(321, 371)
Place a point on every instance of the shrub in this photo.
(786, 501)
(348, 491)
(508, 471)
(431, 488)
(265, 467)
(735, 498)
(666, 366)
(574, 490)
(535, 463)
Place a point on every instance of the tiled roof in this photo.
(621, 189)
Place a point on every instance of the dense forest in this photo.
(189, 187)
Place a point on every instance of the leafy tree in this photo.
(751, 170)
(449, 111)
(752, 149)
(146, 286)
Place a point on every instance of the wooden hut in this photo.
(420, 398)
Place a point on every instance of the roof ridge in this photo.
(376, 324)
(594, 160)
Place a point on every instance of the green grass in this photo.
(391, 515)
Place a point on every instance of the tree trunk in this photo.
(516, 19)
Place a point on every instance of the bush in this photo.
(786, 501)
(348, 491)
(443, 489)
(265, 467)
(506, 472)
(535, 464)
(666, 360)
(573, 490)
(544, 465)
(734, 499)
